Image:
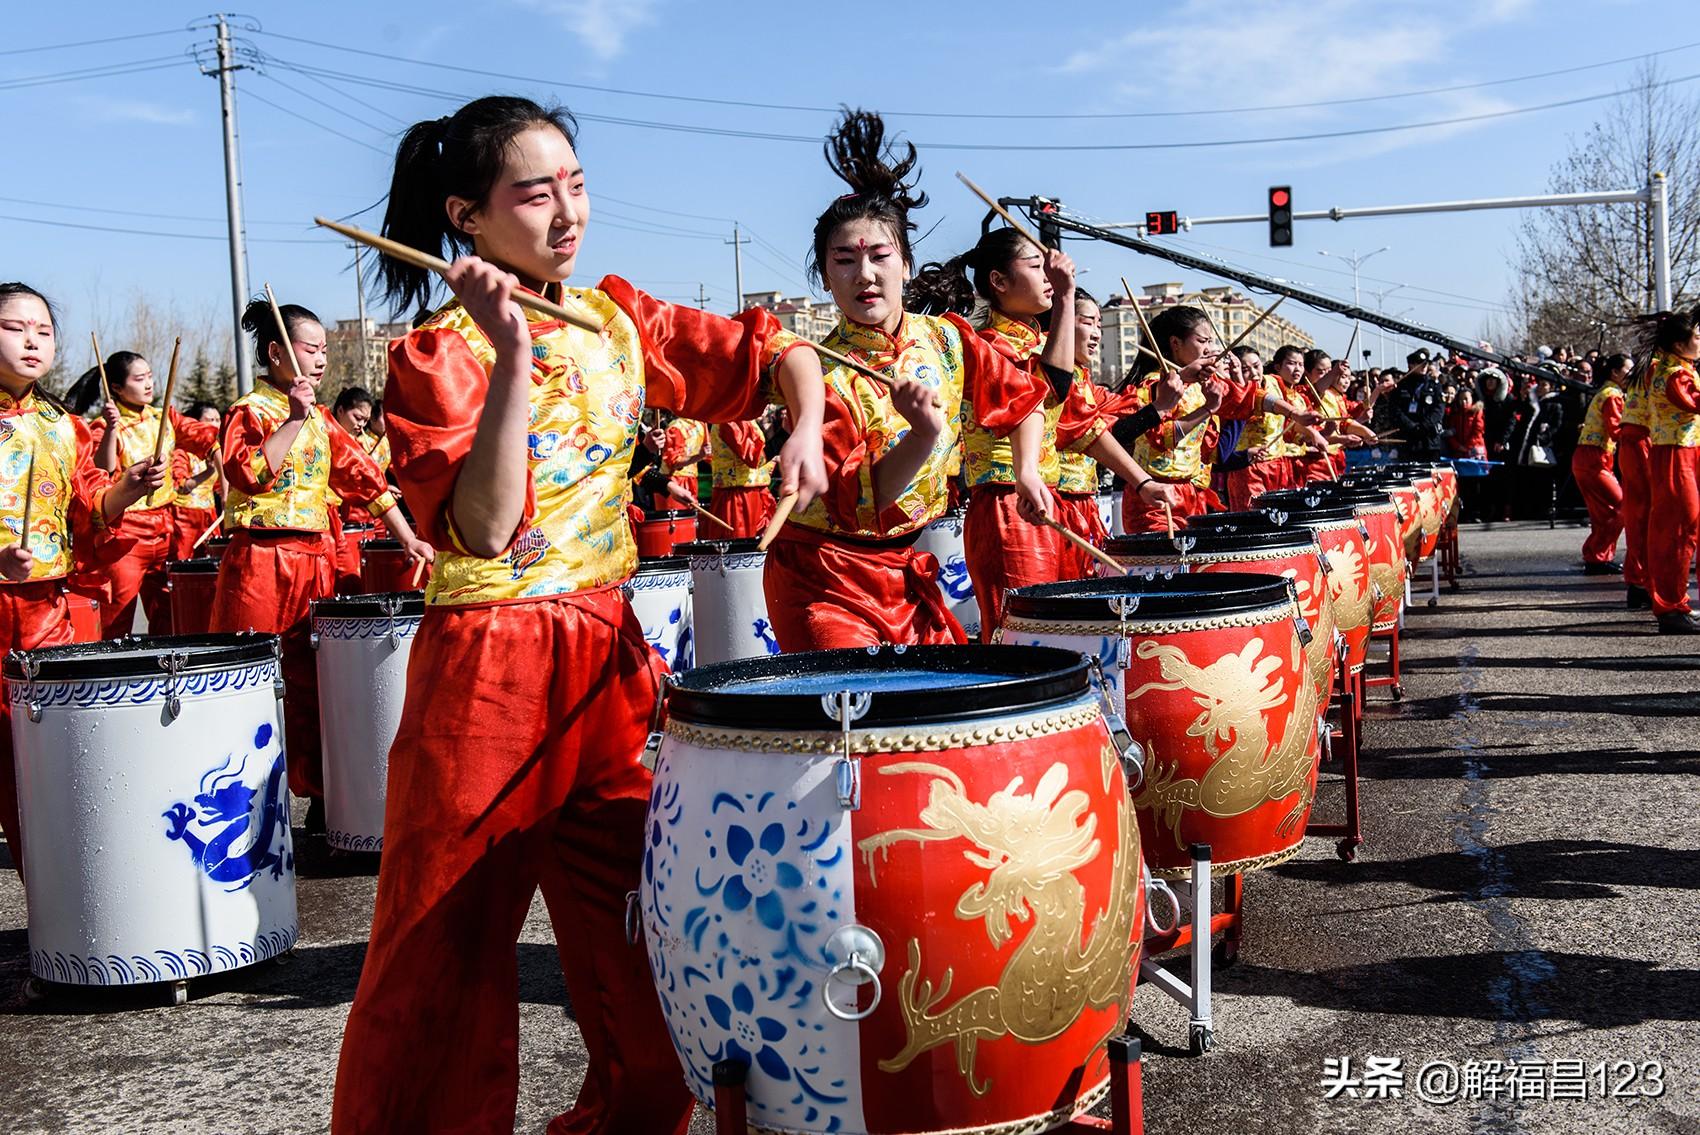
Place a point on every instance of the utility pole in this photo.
(737, 244)
(226, 72)
(360, 301)
(702, 298)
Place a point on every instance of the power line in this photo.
(328, 106)
(250, 93)
(136, 213)
(982, 115)
(150, 232)
(91, 42)
(133, 67)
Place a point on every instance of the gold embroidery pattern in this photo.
(866, 741)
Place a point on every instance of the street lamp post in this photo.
(1356, 262)
(1381, 309)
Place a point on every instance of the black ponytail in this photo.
(953, 285)
(458, 156)
(100, 381)
(877, 173)
(258, 321)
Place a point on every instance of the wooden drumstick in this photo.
(679, 494)
(1001, 211)
(1155, 351)
(1086, 546)
(283, 330)
(1256, 323)
(786, 504)
(170, 390)
(418, 573)
(29, 502)
(396, 250)
(1169, 520)
(207, 535)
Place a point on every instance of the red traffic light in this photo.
(1280, 198)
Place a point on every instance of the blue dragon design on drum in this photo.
(764, 632)
(225, 811)
(953, 579)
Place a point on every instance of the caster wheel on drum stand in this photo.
(1434, 602)
(1398, 693)
(34, 990)
(179, 992)
(1347, 850)
(1200, 1040)
(1225, 954)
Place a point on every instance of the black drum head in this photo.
(380, 605)
(1182, 595)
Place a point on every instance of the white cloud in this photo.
(603, 25)
(135, 110)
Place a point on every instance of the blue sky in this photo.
(137, 132)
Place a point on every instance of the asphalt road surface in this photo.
(1523, 913)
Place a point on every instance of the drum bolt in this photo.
(634, 918)
(173, 665)
(847, 708)
(313, 640)
(863, 955)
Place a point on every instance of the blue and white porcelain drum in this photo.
(1110, 511)
(660, 595)
(362, 644)
(943, 538)
(901, 886)
(153, 807)
(728, 604)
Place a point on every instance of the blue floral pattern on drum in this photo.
(139, 691)
(742, 889)
(165, 965)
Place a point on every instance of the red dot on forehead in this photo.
(561, 173)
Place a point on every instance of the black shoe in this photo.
(1679, 622)
(315, 822)
(1636, 598)
(1607, 568)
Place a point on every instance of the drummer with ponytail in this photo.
(845, 572)
(74, 507)
(530, 687)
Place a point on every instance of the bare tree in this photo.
(1579, 268)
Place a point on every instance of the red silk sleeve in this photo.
(94, 542)
(1241, 401)
(849, 464)
(1680, 388)
(432, 401)
(1082, 419)
(96, 431)
(746, 441)
(725, 359)
(1001, 395)
(199, 438)
(1611, 417)
(244, 434)
(355, 476)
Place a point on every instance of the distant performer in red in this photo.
(1591, 467)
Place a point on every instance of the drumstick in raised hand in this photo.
(786, 504)
(681, 495)
(29, 502)
(1086, 546)
(283, 330)
(170, 391)
(1155, 351)
(205, 536)
(1256, 323)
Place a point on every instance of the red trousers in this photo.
(747, 510)
(1137, 516)
(503, 778)
(267, 581)
(1674, 521)
(1634, 466)
(1259, 477)
(1005, 550)
(1078, 512)
(824, 593)
(32, 615)
(1590, 468)
(1309, 470)
(187, 524)
(140, 574)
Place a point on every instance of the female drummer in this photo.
(284, 457)
(353, 411)
(198, 487)
(531, 689)
(124, 435)
(1671, 389)
(47, 454)
(743, 473)
(845, 571)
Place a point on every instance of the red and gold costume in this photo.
(1635, 475)
(149, 523)
(1591, 468)
(743, 478)
(282, 552)
(1077, 483)
(530, 692)
(195, 509)
(65, 519)
(1265, 432)
(1325, 466)
(1003, 549)
(349, 520)
(687, 442)
(1673, 426)
(845, 573)
(1173, 452)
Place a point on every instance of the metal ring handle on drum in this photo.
(853, 964)
(634, 918)
(1155, 884)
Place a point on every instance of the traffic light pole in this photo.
(1656, 195)
(1054, 216)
